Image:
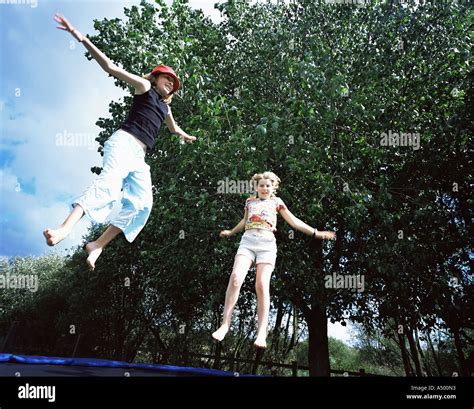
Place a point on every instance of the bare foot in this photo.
(261, 342)
(93, 251)
(53, 237)
(220, 333)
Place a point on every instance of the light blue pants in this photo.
(123, 168)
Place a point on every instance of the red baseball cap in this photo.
(164, 69)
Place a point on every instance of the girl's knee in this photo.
(262, 287)
(236, 280)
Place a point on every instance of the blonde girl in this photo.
(258, 245)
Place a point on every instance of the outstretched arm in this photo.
(236, 229)
(174, 128)
(297, 224)
(140, 84)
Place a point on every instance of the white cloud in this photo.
(24, 217)
(207, 8)
(339, 332)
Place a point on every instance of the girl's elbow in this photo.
(110, 68)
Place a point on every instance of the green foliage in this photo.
(306, 90)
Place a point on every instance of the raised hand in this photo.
(326, 235)
(225, 233)
(67, 26)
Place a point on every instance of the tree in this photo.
(316, 93)
(270, 85)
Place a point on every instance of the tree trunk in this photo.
(414, 352)
(424, 358)
(295, 330)
(287, 330)
(318, 353)
(435, 356)
(131, 348)
(161, 345)
(277, 328)
(185, 356)
(217, 360)
(401, 344)
(461, 358)
(316, 317)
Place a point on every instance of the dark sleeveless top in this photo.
(146, 116)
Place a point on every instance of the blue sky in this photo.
(48, 90)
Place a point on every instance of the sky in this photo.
(51, 94)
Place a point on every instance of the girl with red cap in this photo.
(124, 168)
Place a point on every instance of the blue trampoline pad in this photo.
(44, 366)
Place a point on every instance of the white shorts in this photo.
(259, 246)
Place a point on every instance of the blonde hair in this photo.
(267, 176)
(153, 78)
